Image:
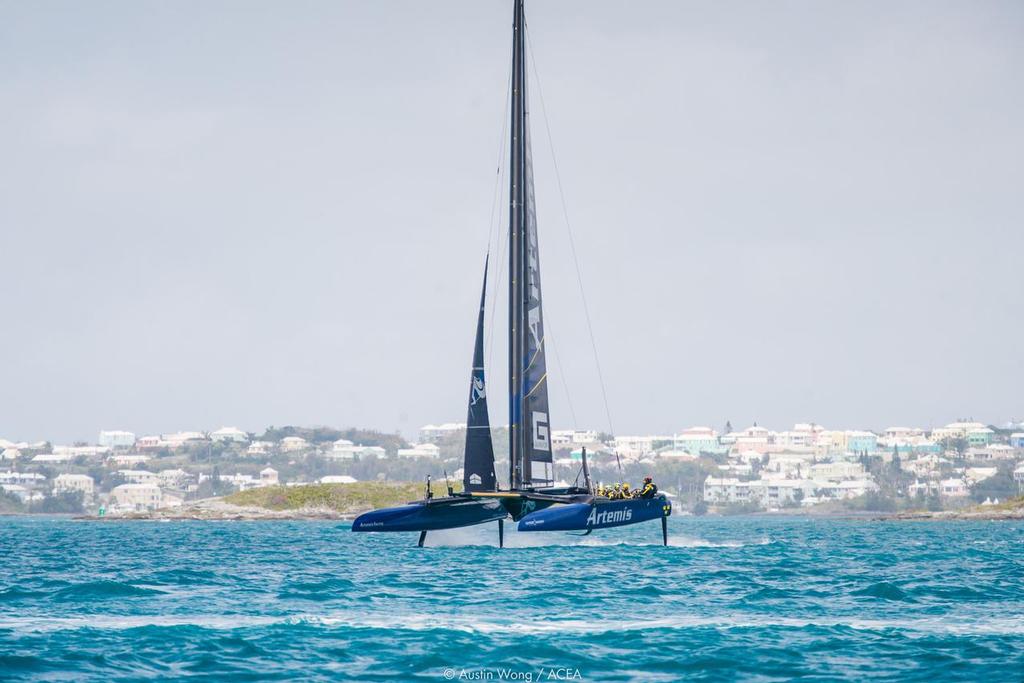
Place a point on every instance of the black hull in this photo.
(432, 515)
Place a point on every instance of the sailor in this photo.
(649, 490)
(626, 493)
(600, 490)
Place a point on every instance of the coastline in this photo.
(219, 509)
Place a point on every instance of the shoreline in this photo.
(216, 509)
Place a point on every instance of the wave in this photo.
(673, 542)
(520, 626)
(883, 590)
(99, 590)
(14, 593)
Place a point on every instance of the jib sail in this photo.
(478, 466)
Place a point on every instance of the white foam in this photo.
(522, 624)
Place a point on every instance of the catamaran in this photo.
(531, 499)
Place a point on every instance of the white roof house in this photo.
(338, 479)
(9, 477)
(229, 434)
(422, 450)
(74, 482)
(260, 447)
(953, 488)
(290, 444)
(116, 438)
(268, 477)
(55, 458)
(136, 497)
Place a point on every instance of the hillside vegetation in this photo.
(343, 498)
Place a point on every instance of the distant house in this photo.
(955, 430)
(114, 438)
(173, 478)
(24, 494)
(338, 479)
(995, 451)
(861, 442)
(140, 476)
(169, 441)
(232, 434)
(953, 488)
(129, 459)
(29, 478)
(837, 471)
(179, 439)
(74, 482)
(291, 444)
(148, 443)
(136, 497)
(422, 450)
(82, 451)
(53, 458)
(696, 440)
(10, 454)
(268, 477)
(259, 448)
(435, 433)
(343, 449)
(979, 437)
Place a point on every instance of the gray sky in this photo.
(254, 213)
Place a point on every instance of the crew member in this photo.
(626, 493)
(649, 490)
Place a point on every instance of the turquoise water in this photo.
(751, 598)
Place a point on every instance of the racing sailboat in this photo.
(531, 498)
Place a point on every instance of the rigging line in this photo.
(572, 242)
(494, 227)
(550, 334)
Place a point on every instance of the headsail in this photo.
(530, 456)
(478, 467)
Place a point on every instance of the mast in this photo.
(517, 228)
(529, 439)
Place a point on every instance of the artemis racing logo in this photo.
(608, 516)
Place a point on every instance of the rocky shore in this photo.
(972, 514)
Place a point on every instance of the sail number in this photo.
(540, 432)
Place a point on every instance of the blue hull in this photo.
(445, 513)
(601, 514)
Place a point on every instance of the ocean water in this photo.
(731, 599)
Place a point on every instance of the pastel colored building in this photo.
(74, 482)
(861, 442)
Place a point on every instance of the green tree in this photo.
(64, 502)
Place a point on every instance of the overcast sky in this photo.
(253, 213)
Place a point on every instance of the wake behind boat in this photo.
(531, 498)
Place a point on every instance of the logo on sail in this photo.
(478, 392)
(474, 479)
